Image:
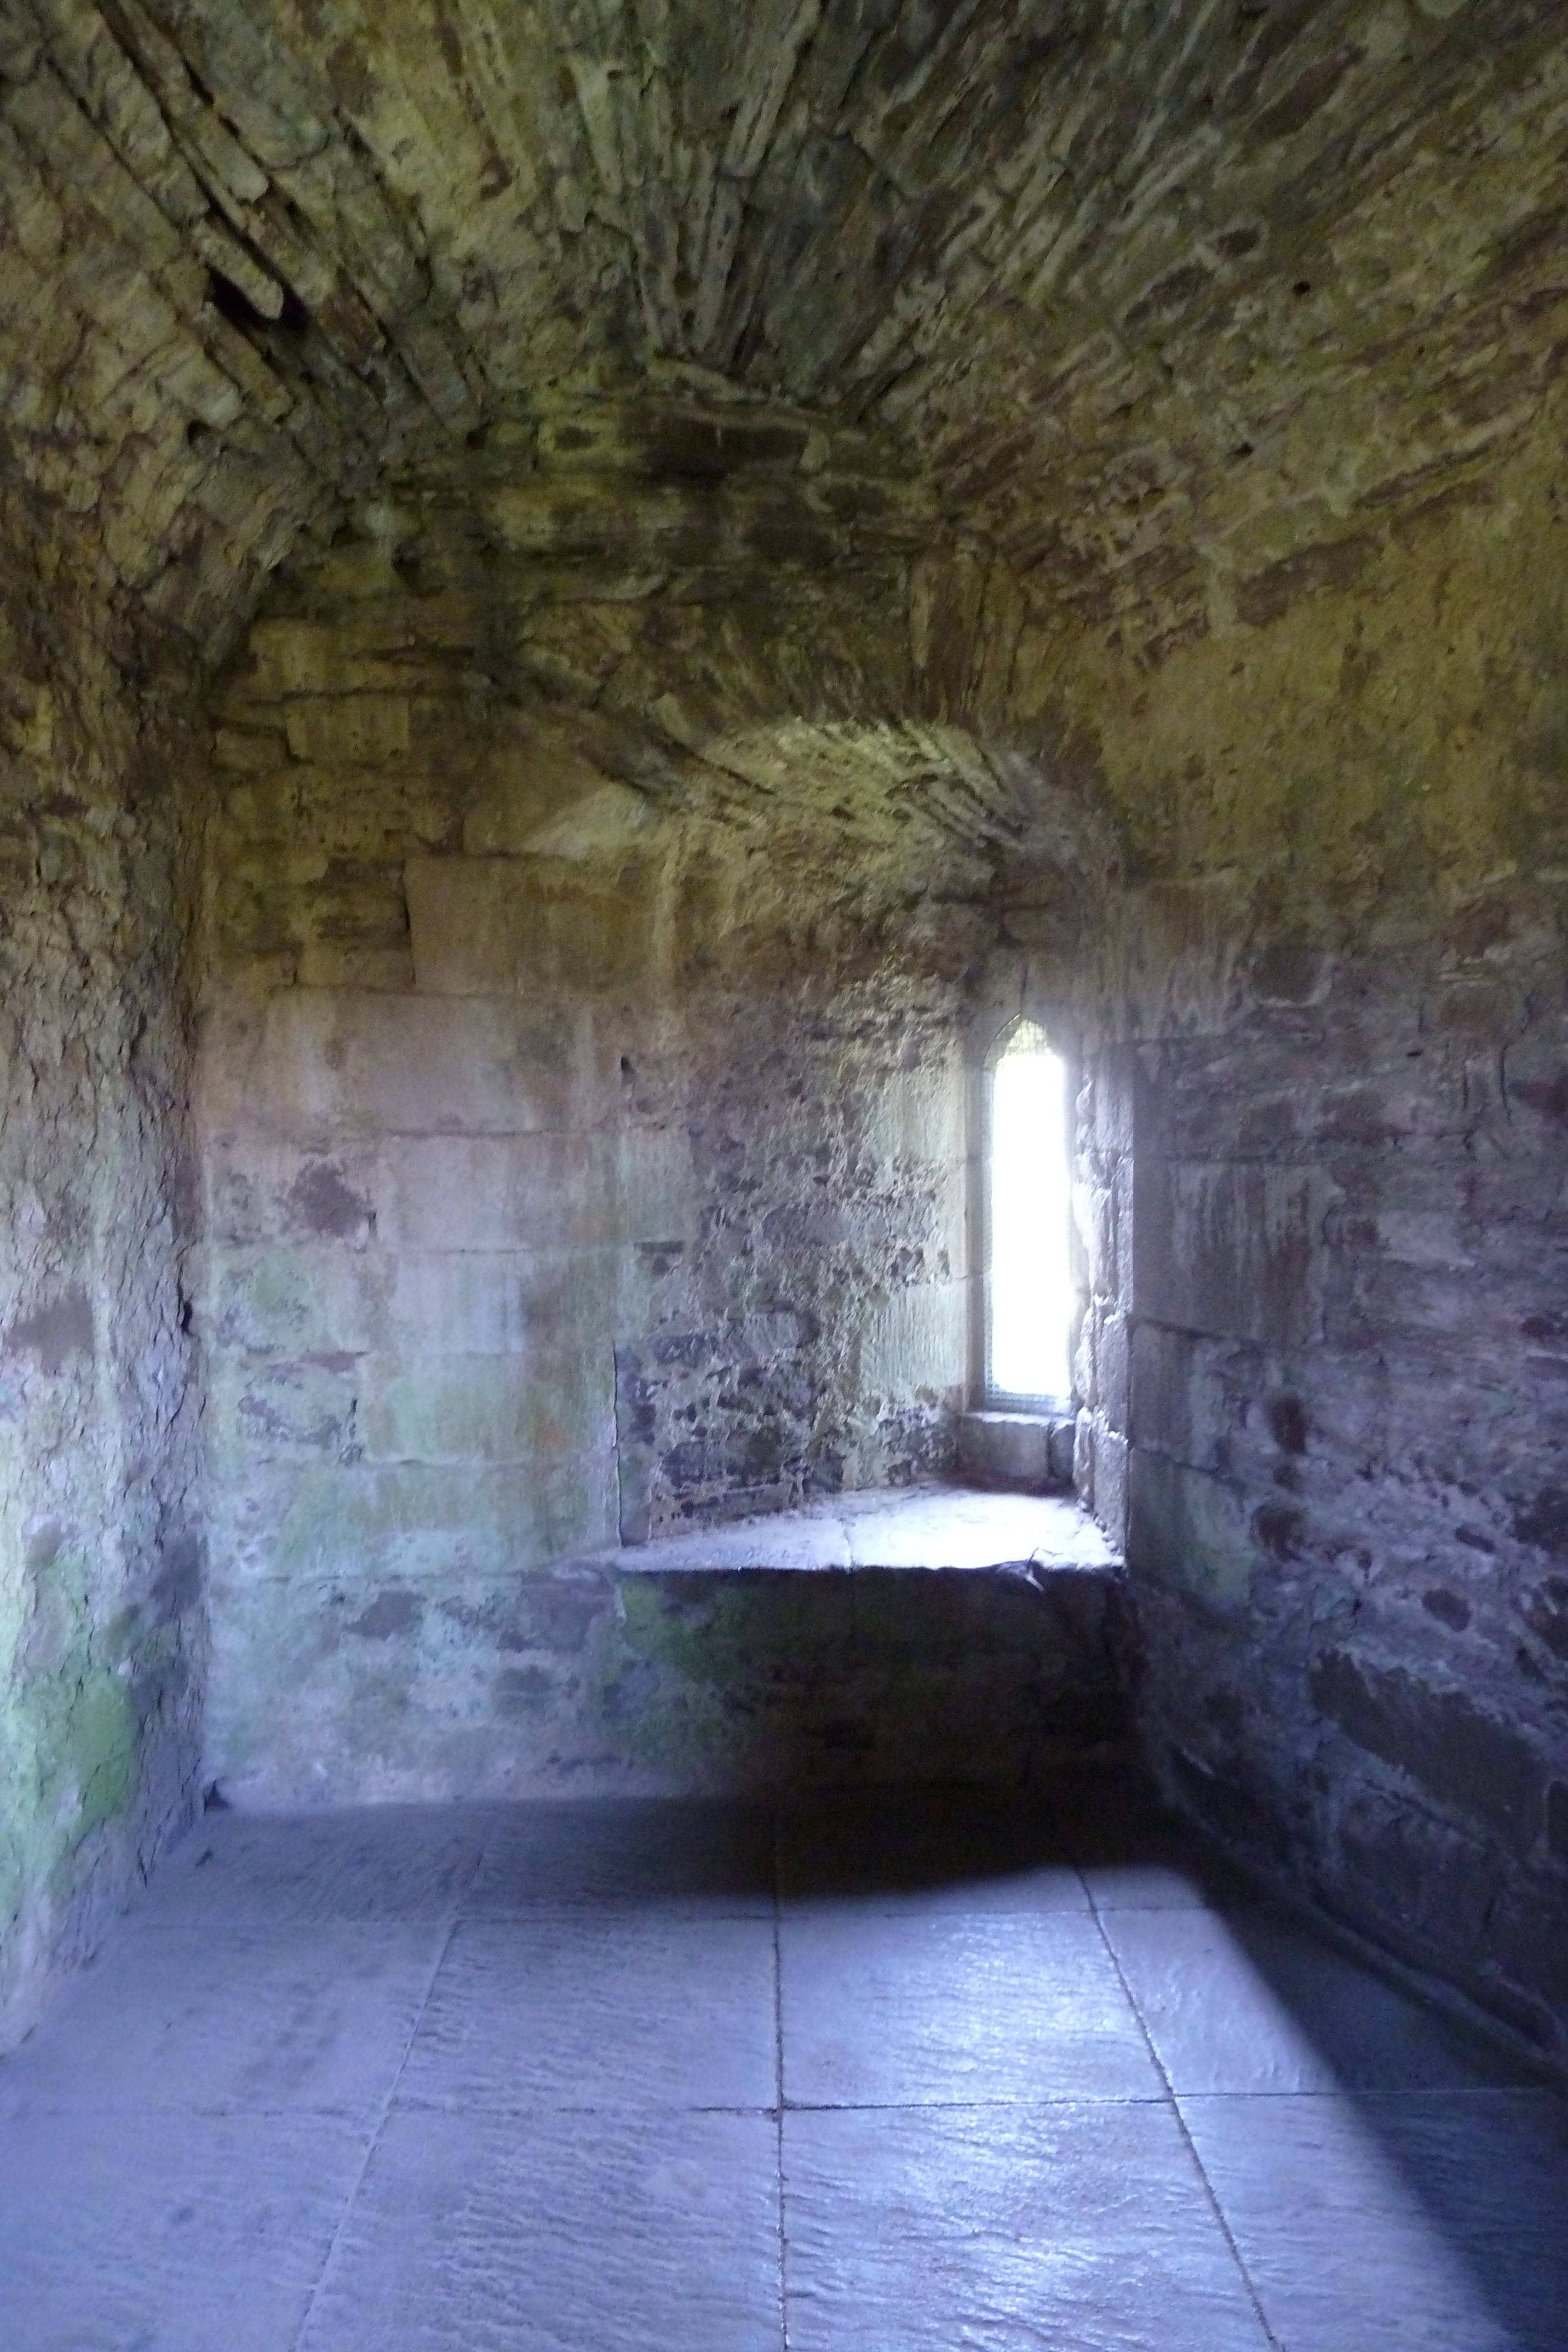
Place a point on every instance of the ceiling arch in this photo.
(1151, 300)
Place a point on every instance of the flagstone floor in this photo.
(898, 2073)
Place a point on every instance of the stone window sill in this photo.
(922, 1529)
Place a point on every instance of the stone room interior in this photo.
(784, 1146)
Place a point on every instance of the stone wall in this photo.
(607, 1675)
(761, 475)
(1326, 1031)
(569, 1174)
(1346, 1408)
(101, 1631)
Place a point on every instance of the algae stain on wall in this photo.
(102, 1633)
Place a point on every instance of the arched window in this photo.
(1028, 1290)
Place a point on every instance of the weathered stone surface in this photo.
(793, 537)
(598, 1678)
(1190, 1529)
(1017, 1450)
(635, 1198)
(1345, 1525)
(1461, 1757)
(1233, 1250)
(102, 1542)
(255, 252)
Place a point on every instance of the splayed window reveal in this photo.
(1029, 1203)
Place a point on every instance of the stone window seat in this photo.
(934, 1634)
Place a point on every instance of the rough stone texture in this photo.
(1175, 308)
(907, 2068)
(780, 500)
(577, 1680)
(581, 1156)
(1322, 1160)
(1018, 1450)
(101, 1538)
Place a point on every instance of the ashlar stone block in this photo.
(409, 1522)
(1188, 1530)
(1467, 1758)
(361, 727)
(491, 1409)
(503, 924)
(538, 1192)
(331, 1061)
(1231, 1248)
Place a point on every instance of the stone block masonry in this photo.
(763, 508)
(1321, 1144)
(1340, 1504)
(569, 1177)
(873, 1639)
(102, 1543)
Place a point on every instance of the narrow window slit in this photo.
(1029, 1197)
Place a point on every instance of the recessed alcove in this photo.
(611, 618)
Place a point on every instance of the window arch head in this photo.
(1028, 1290)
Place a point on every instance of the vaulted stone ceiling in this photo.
(1161, 306)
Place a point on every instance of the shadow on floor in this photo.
(1389, 2172)
(907, 2069)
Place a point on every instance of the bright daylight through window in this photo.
(1028, 1283)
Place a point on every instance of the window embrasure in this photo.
(1027, 1210)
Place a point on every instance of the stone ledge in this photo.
(931, 1529)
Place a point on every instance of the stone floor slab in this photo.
(479, 2233)
(371, 1861)
(168, 2232)
(953, 1850)
(624, 2011)
(705, 1858)
(310, 2015)
(1249, 2000)
(880, 2010)
(429, 2100)
(1086, 2228)
(1404, 2222)
(1131, 1853)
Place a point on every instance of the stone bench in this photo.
(937, 1633)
